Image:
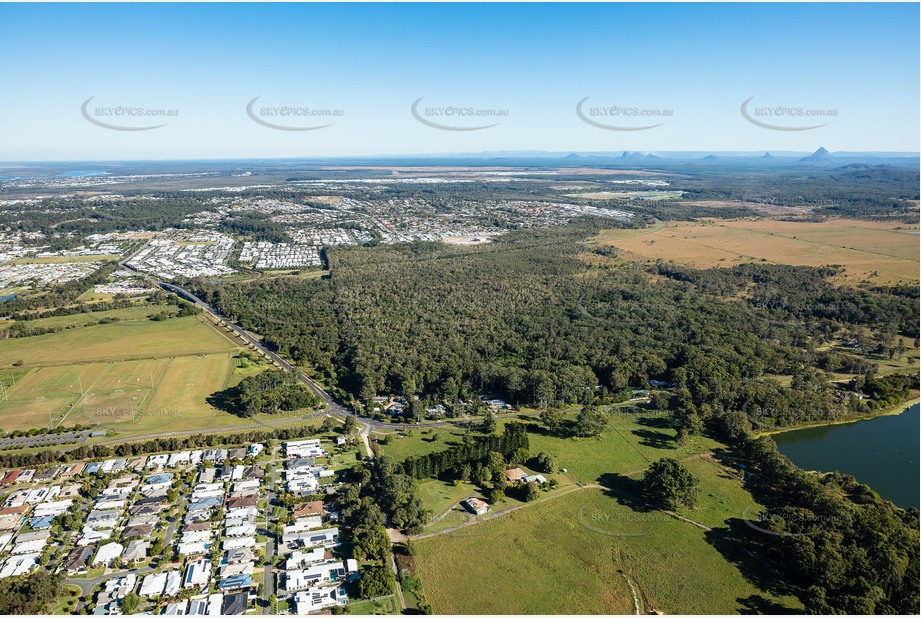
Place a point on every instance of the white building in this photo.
(197, 574)
(108, 553)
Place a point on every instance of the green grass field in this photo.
(386, 606)
(135, 377)
(92, 317)
(630, 444)
(419, 441)
(570, 555)
(117, 341)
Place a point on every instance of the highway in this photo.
(332, 406)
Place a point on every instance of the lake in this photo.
(880, 452)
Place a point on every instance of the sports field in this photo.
(881, 252)
(118, 341)
(135, 377)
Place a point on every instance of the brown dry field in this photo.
(770, 209)
(877, 251)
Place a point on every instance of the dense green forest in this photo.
(526, 319)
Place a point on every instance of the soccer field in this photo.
(133, 377)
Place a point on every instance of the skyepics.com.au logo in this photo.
(622, 118)
(618, 523)
(456, 117)
(102, 415)
(773, 523)
(783, 312)
(786, 117)
(125, 117)
(798, 202)
(291, 117)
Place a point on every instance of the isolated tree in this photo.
(546, 462)
(489, 422)
(591, 421)
(552, 417)
(531, 491)
(667, 483)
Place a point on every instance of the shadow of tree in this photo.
(566, 430)
(655, 439)
(757, 604)
(625, 490)
(226, 401)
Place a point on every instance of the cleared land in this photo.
(92, 317)
(881, 252)
(572, 555)
(631, 443)
(134, 377)
(628, 195)
(117, 341)
(574, 549)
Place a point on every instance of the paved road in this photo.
(87, 586)
(391, 532)
(268, 587)
(332, 406)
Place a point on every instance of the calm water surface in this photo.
(881, 452)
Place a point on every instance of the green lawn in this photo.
(118, 341)
(565, 556)
(625, 447)
(438, 496)
(386, 606)
(721, 495)
(66, 603)
(83, 318)
(419, 441)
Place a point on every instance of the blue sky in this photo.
(535, 61)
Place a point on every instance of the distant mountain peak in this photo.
(572, 155)
(819, 155)
(767, 155)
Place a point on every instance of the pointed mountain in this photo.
(819, 156)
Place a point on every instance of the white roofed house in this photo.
(173, 583)
(157, 461)
(153, 585)
(19, 565)
(294, 531)
(320, 575)
(107, 554)
(179, 608)
(315, 599)
(239, 542)
(328, 537)
(241, 530)
(300, 559)
(304, 448)
(197, 574)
